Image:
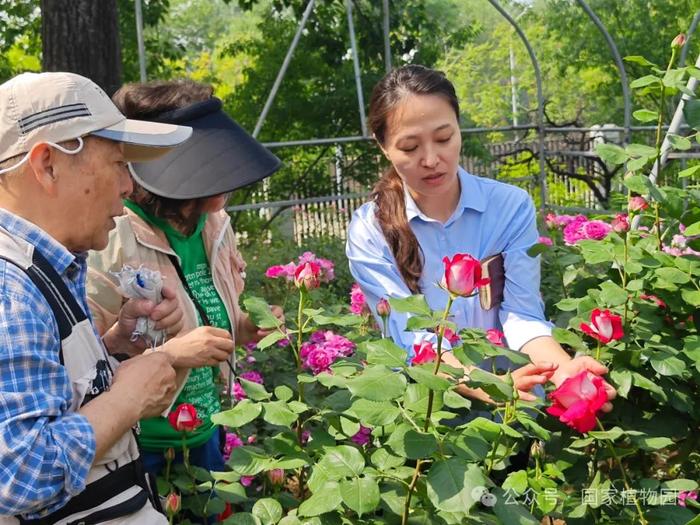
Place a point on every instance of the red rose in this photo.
(423, 353)
(184, 418)
(308, 275)
(577, 400)
(463, 274)
(228, 511)
(172, 503)
(495, 337)
(605, 326)
(451, 336)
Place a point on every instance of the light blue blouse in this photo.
(491, 217)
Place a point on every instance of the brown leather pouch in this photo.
(491, 295)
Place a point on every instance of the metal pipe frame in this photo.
(139, 39)
(387, 40)
(540, 99)
(283, 69)
(356, 67)
(688, 36)
(620, 67)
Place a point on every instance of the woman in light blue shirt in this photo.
(426, 207)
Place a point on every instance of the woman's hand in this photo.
(203, 346)
(577, 365)
(249, 332)
(527, 377)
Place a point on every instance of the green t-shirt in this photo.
(201, 387)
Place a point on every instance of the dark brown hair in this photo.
(145, 101)
(388, 193)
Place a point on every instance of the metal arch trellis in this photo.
(539, 124)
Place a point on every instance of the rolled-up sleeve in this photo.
(375, 270)
(522, 310)
(46, 450)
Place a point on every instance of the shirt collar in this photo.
(470, 197)
(58, 255)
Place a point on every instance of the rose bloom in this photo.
(184, 418)
(577, 401)
(495, 337)
(596, 230)
(237, 391)
(362, 437)
(319, 359)
(276, 477)
(451, 336)
(605, 326)
(232, 441)
(172, 503)
(544, 240)
(550, 221)
(637, 204)
(463, 275)
(252, 376)
(573, 231)
(684, 495)
(358, 303)
(648, 297)
(423, 353)
(307, 276)
(620, 224)
(383, 308)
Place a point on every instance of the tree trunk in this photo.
(82, 36)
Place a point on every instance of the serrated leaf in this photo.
(611, 153)
(374, 413)
(640, 150)
(278, 413)
(636, 59)
(326, 499)
(378, 383)
(414, 304)
(385, 352)
(244, 412)
(283, 393)
(450, 484)
(689, 171)
(693, 229)
(341, 462)
(691, 297)
(668, 365)
(691, 112)
(360, 494)
(270, 339)
(248, 461)
(678, 142)
(268, 511)
(253, 390)
(241, 518)
(645, 115)
(426, 377)
(612, 294)
(644, 81)
(260, 313)
(419, 444)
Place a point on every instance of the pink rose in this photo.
(620, 224)
(423, 353)
(383, 308)
(573, 231)
(307, 276)
(252, 376)
(684, 495)
(550, 221)
(273, 272)
(605, 326)
(276, 477)
(677, 43)
(636, 204)
(545, 240)
(237, 391)
(319, 359)
(232, 441)
(653, 298)
(495, 337)
(463, 275)
(577, 401)
(452, 337)
(172, 503)
(596, 230)
(358, 303)
(247, 481)
(362, 437)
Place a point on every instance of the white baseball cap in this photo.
(56, 107)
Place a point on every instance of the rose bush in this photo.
(342, 428)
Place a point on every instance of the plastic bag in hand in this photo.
(143, 283)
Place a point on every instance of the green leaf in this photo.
(610, 435)
(253, 390)
(325, 499)
(339, 320)
(383, 460)
(270, 339)
(689, 171)
(538, 249)
(693, 229)
(492, 384)
(691, 112)
(672, 274)
(260, 313)
(418, 445)
(278, 413)
(640, 150)
(450, 484)
(283, 393)
(622, 380)
(678, 142)
(680, 484)
(644, 81)
(414, 304)
(636, 184)
(516, 481)
(248, 461)
(568, 305)
(244, 412)
(636, 59)
(691, 297)
(374, 413)
(668, 365)
(645, 383)
(385, 352)
(612, 294)
(268, 511)
(232, 492)
(569, 338)
(342, 461)
(454, 400)
(611, 153)
(646, 115)
(423, 376)
(652, 442)
(242, 518)
(378, 383)
(360, 494)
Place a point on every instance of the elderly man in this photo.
(67, 409)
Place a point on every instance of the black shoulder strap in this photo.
(197, 305)
(63, 303)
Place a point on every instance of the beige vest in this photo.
(82, 350)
